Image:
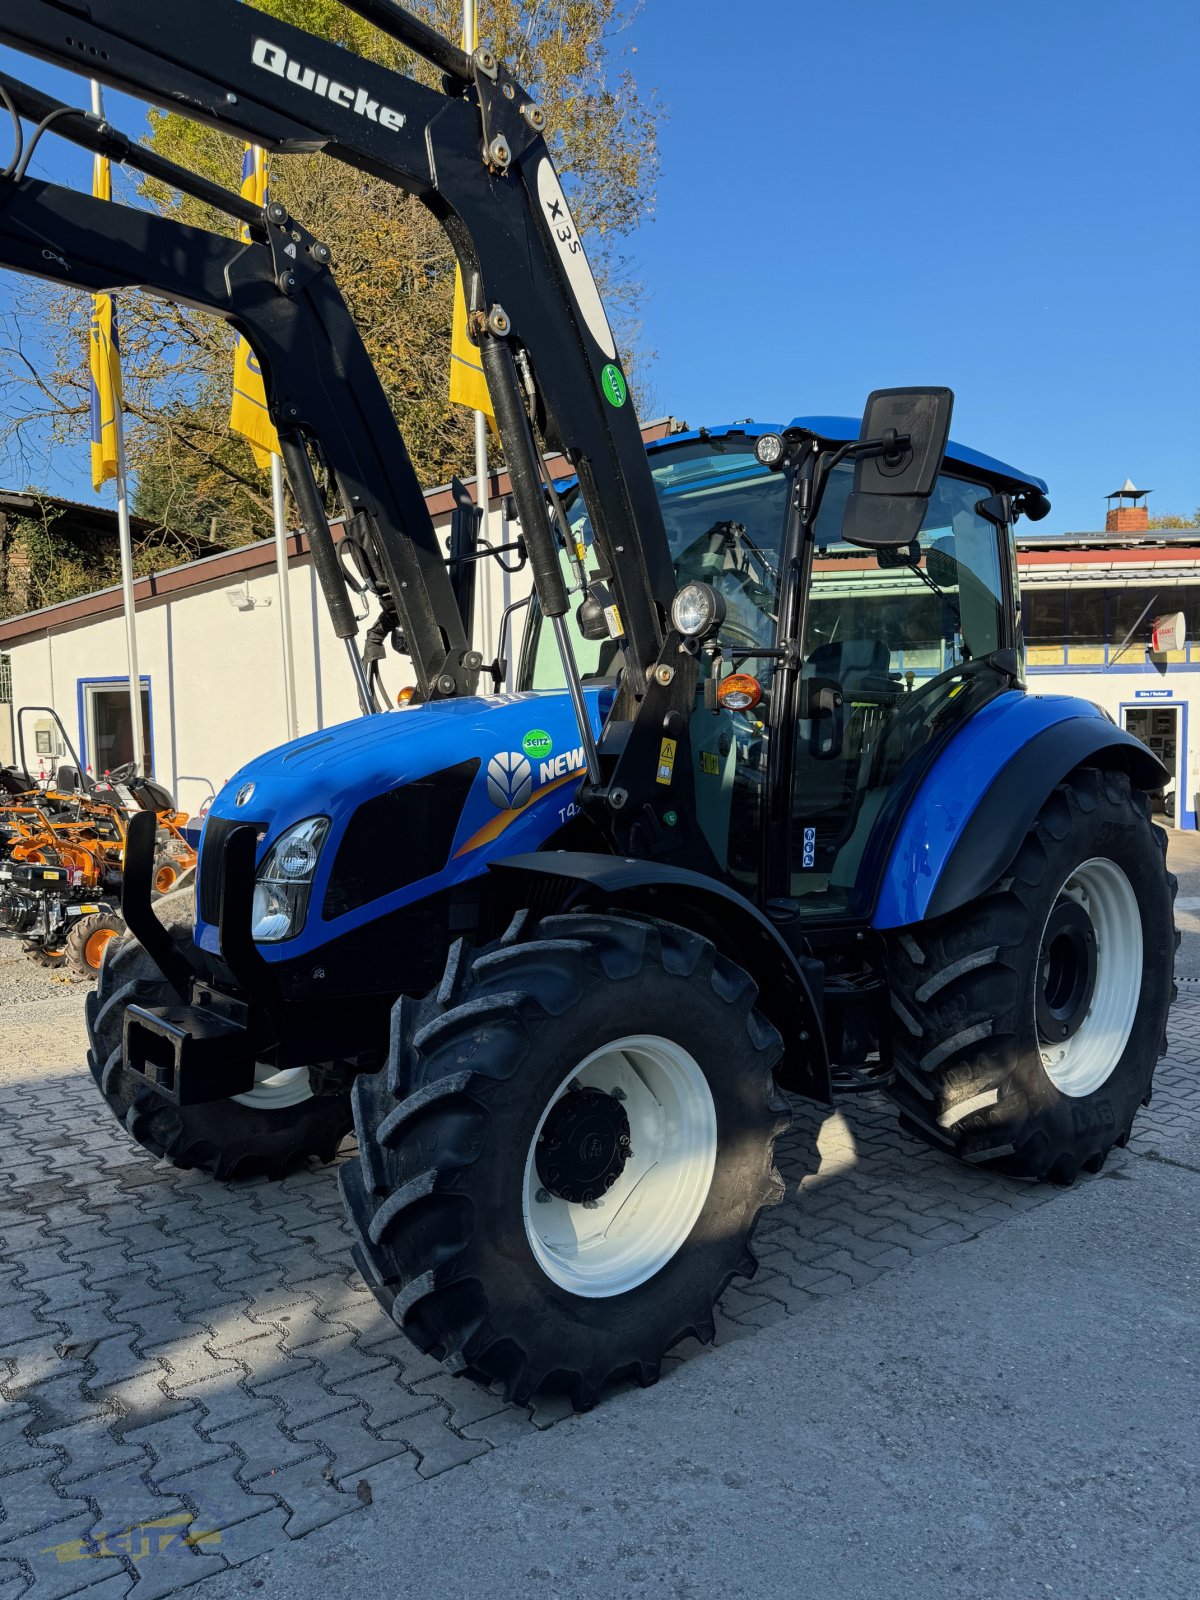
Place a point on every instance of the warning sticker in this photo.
(666, 760)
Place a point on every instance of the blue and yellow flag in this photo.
(468, 386)
(248, 414)
(104, 359)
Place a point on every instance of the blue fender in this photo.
(973, 808)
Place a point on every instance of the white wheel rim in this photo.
(1078, 1066)
(273, 1091)
(632, 1231)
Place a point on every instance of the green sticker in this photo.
(537, 744)
(612, 381)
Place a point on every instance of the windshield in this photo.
(724, 517)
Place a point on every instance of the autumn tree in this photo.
(1172, 519)
(392, 261)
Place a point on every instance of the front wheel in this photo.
(562, 1165)
(1027, 1024)
(289, 1117)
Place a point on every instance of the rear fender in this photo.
(787, 983)
(973, 809)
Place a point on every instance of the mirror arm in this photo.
(890, 444)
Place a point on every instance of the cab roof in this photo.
(839, 430)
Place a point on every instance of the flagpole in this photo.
(285, 605)
(125, 541)
(481, 460)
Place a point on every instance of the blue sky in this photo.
(1001, 198)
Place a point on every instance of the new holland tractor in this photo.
(772, 808)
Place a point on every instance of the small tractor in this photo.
(62, 849)
(771, 808)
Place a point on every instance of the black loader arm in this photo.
(476, 155)
(318, 377)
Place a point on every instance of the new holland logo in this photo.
(509, 781)
(275, 59)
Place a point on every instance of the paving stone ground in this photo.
(192, 1373)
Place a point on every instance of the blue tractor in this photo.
(771, 808)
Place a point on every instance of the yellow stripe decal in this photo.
(493, 829)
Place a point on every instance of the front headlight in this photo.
(284, 881)
(697, 610)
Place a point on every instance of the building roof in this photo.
(93, 521)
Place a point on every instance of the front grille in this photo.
(212, 857)
(398, 837)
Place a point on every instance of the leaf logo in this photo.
(509, 781)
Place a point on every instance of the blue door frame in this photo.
(82, 685)
(1183, 806)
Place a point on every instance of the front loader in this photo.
(771, 808)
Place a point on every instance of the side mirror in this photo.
(905, 432)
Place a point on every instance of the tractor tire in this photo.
(87, 939)
(286, 1120)
(600, 1068)
(1027, 1025)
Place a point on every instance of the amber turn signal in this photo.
(739, 692)
(405, 695)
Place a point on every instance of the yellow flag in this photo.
(248, 415)
(468, 386)
(104, 359)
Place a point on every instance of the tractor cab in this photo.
(898, 647)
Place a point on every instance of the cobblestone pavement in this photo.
(193, 1374)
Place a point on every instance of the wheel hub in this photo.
(583, 1146)
(1066, 975)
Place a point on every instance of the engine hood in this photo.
(529, 763)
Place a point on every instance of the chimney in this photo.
(1125, 514)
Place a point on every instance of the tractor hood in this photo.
(508, 765)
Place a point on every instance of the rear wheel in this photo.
(288, 1117)
(1027, 1024)
(561, 1167)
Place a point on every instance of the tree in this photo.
(392, 261)
(1172, 519)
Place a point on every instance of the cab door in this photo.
(894, 650)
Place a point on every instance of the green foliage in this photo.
(1172, 519)
(41, 565)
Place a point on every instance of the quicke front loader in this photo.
(771, 809)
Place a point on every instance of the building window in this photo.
(107, 725)
(1085, 627)
(1044, 621)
